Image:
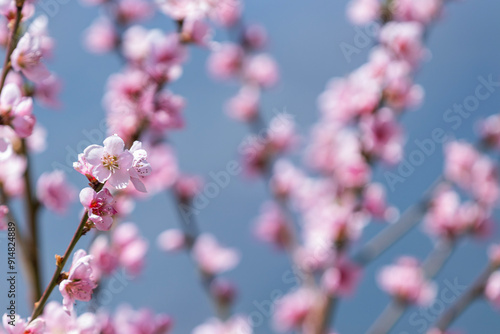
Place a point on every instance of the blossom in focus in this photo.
(54, 191)
(111, 162)
(211, 257)
(80, 283)
(405, 280)
(100, 207)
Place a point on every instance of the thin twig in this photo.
(61, 262)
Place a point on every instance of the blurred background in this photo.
(305, 38)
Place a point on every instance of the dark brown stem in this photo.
(12, 42)
(32, 208)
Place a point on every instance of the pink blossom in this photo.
(54, 191)
(494, 254)
(5, 148)
(140, 166)
(165, 169)
(84, 168)
(404, 39)
(423, 11)
(405, 280)
(22, 326)
(188, 186)
(39, 28)
(342, 278)
(237, 324)
(224, 291)
(244, 107)
(171, 240)
(272, 226)
(492, 289)
(400, 92)
(460, 158)
(292, 310)
(47, 91)
(27, 58)
(374, 202)
(382, 136)
(261, 70)
(101, 36)
(100, 207)
(286, 179)
(225, 61)
(57, 320)
(80, 283)
(168, 113)
(129, 11)
(362, 12)
(111, 162)
(105, 259)
(18, 109)
(281, 133)
(196, 31)
(142, 321)
(213, 258)
(4, 211)
(11, 174)
(130, 246)
(226, 12)
(344, 99)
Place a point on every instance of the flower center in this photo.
(110, 162)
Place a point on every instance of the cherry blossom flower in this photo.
(22, 326)
(361, 12)
(54, 191)
(27, 58)
(424, 11)
(111, 162)
(404, 40)
(130, 247)
(80, 283)
(140, 166)
(492, 289)
(18, 110)
(101, 36)
(100, 207)
(261, 70)
(142, 321)
(213, 258)
(292, 310)
(225, 61)
(342, 278)
(405, 280)
(244, 106)
(171, 240)
(105, 260)
(237, 324)
(272, 226)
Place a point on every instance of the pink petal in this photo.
(101, 173)
(114, 145)
(119, 179)
(87, 196)
(93, 154)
